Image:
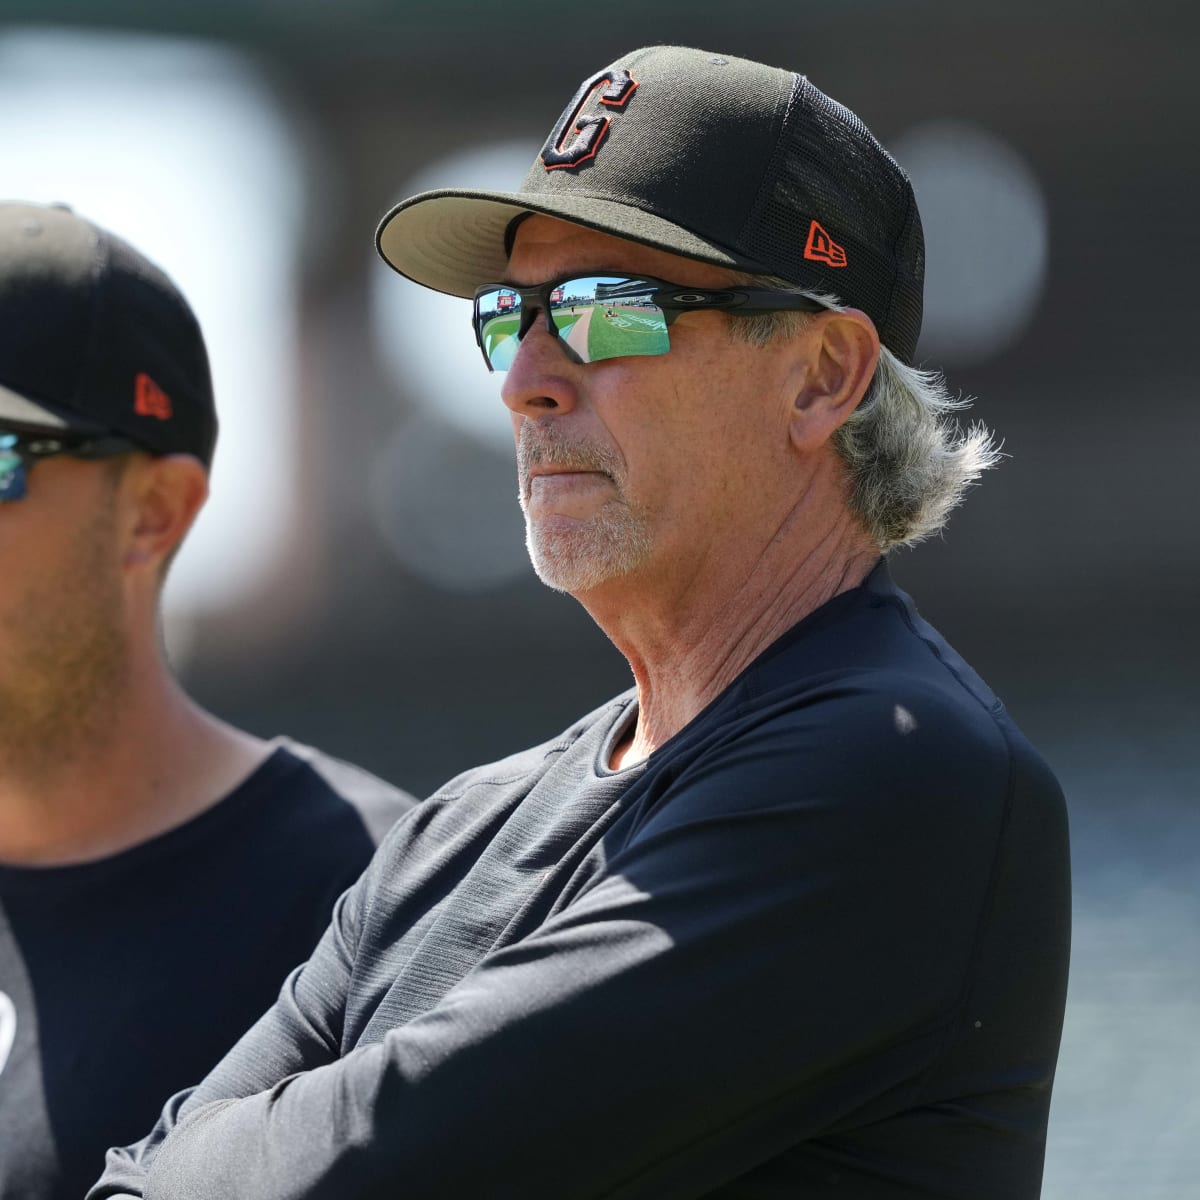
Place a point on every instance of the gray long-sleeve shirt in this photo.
(814, 946)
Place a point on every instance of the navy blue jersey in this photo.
(814, 946)
(126, 979)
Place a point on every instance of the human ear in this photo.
(163, 496)
(842, 351)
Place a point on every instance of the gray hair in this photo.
(909, 462)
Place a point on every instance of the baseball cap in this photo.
(711, 157)
(94, 338)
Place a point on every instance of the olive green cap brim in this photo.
(454, 240)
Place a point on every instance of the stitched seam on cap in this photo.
(99, 281)
(901, 232)
(799, 83)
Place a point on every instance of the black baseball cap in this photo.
(95, 339)
(711, 157)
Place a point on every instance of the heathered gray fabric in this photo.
(814, 946)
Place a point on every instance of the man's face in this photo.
(61, 607)
(652, 468)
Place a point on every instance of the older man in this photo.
(789, 918)
(160, 871)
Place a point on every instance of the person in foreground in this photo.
(160, 871)
(790, 918)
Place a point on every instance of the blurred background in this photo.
(359, 580)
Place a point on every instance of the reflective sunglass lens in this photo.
(595, 316)
(499, 317)
(625, 320)
(12, 469)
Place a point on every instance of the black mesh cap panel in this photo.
(827, 167)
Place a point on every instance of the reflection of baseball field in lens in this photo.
(606, 330)
(500, 341)
(573, 325)
(616, 331)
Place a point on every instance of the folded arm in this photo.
(756, 967)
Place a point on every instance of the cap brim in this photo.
(453, 240)
(16, 409)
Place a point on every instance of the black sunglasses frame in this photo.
(30, 446)
(672, 298)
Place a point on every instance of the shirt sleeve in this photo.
(301, 1031)
(776, 952)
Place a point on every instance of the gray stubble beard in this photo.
(612, 543)
(608, 545)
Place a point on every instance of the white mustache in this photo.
(544, 448)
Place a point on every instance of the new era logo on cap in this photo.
(822, 248)
(149, 400)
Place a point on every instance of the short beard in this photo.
(608, 545)
(71, 660)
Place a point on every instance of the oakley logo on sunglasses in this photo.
(589, 131)
(701, 299)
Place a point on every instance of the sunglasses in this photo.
(19, 451)
(596, 317)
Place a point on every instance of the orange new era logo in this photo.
(149, 400)
(822, 248)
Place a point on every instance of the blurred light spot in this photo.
(985, 239)
(904, 721)
(179, 148)
(447, 506)
(424, 337)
